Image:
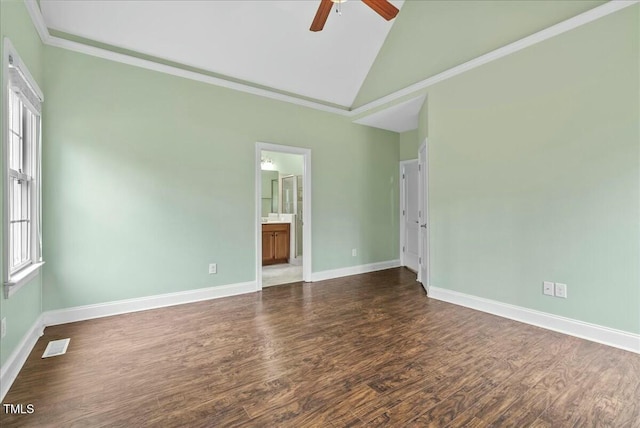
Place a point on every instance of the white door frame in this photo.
(402, 203)
(306, 207)
(424, 268)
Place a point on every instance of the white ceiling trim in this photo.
(555, 30)
(255, 42)
(38, 19)
(48, 39)
(175, 71)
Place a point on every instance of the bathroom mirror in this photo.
(269, 193)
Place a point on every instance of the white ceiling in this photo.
(262, 42)
(398, 118)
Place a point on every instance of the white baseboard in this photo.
(354, 270)
(18, 357)
(82, 313)
(593, 332)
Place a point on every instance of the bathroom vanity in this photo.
(275, 243)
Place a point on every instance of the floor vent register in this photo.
(56, 347)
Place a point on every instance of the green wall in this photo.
(534, 169)
(409, 145)
(150, 177)
(453, 32)
(24, 307)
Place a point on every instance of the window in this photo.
(21, 163)
(22, 123)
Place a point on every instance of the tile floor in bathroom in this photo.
(281, 274)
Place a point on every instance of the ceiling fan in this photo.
(381, 7)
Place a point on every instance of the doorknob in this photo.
(424, 225)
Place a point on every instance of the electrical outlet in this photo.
(213, 268)
(547, 288)
(561, 290)
(3, 327)
(354, 252)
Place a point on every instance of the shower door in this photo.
(289, 195)
(292, 204)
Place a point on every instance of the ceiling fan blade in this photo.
(321, 15)
(382, 8)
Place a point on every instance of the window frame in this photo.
(14, 279)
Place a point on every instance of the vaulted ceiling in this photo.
(263, 42)
(358, 65)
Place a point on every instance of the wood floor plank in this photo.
(400, 413)
(365, 350)
(493, 404)
(446, 411)
(628, 415)
(601, 412)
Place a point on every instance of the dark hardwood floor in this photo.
(368, 350)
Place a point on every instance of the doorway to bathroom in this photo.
(283, 210)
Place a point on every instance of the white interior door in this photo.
(423, 210)
(411, 245)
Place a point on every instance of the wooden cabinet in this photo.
(275, 243)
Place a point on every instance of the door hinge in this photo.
(403, 176)
(419, 167)
(419, 213)
(403, 249)
(402, 212)
(419, 260)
